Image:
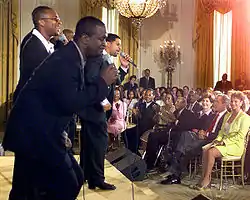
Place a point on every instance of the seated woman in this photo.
(230, 140)
(167, 108)
(117, 122)
(131, 100)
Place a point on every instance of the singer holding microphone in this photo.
(94, 136)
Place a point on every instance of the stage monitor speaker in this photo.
(128, 163)
(201, 197)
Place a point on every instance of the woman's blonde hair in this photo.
(240, 95)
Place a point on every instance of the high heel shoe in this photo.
(203, 188)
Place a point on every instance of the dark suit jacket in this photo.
(146, 84)
(128, 86)
(196, 108)
(46, 105)
(93, 68)
(213, 135)
(203, 122)
(186, 121)
(146, 117)
(223, 87)
(32, 53)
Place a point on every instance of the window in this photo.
(110, 18)
(222, 44)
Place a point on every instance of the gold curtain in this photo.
(240, 41)
(129, 39)
(203, 38)
(90, 8)
(9, 35)
(203, 45)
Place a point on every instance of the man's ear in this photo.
(108, 44)
(41, 22)
(85, 39)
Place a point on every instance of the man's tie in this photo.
(211, 127)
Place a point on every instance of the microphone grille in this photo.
(122, 54)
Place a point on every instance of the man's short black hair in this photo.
(38, 13)
(112, 37)
(131, 77)
(87, 26)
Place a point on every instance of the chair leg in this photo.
(221, 175)
(195, 167)
(225, 170)
(190, 169)
(158, 155)
(233, 172)
(242, 172)
(216, 170)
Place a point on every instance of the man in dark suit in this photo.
(94, 118)
(36, 126)
(190, 143)
(131, 85)
(35, 46)
(224, 85)
(147, 82)
(193, 104)
(185, 120)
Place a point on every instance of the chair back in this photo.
(246, 145)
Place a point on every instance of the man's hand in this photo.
(218, 143)
(107, 107)
(202, 134)
(109, 74)
(125, 61)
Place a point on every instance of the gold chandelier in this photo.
(138, 9)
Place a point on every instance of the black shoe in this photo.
(102, 186)
(171, 179)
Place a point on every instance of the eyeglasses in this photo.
(56, 19)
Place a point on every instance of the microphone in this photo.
(63, 38)
(122, 54)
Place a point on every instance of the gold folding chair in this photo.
(233, 162)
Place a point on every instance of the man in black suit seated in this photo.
(193, 104)
(36, 46)
(35, 129)
(145, 114)
(147, 82)
(131, 85)
(224, 85)
(185, 120)
(94, 118)
(190, 143)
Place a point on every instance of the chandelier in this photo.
(167, 58)
(139, 10)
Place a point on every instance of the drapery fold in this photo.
(240, 41)
(203, 38)
(129, 38)
(203, 45)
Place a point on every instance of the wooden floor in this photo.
(146, 190)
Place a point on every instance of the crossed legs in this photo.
(208, 159)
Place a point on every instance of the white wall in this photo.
(156, 30)
(69, 12)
